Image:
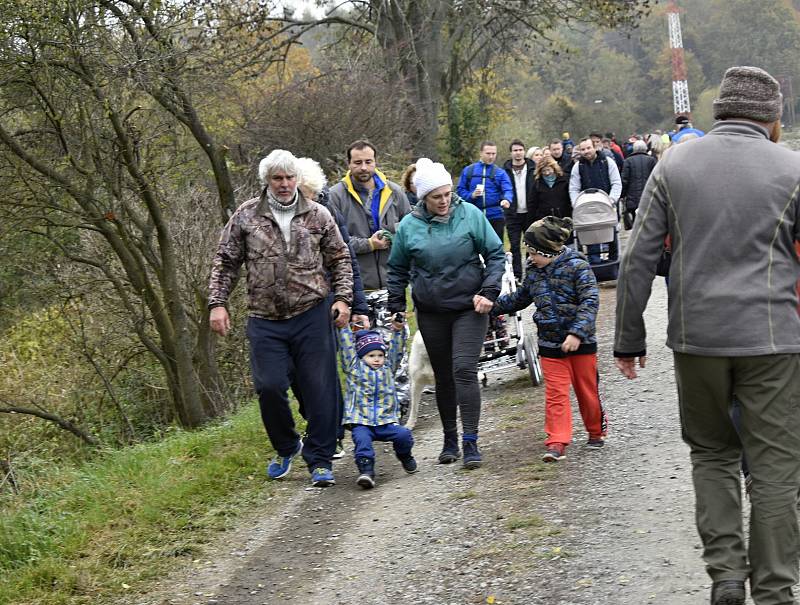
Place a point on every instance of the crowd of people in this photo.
(311, 252)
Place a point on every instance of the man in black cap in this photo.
(733, 328)
(685, 130)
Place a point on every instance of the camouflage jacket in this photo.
(282, 281)
(566, 298)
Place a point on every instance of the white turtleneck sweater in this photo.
(283, 213)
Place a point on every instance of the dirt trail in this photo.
(611, 526)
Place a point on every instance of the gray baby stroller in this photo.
(595, 218)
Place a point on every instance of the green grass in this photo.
(129, 515)
(518, 522)
(467, 495)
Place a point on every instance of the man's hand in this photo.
(342, 318)
(220, 321)
(378, 242)
(397, 326)
(627, 365)
(482, 304)
(505, 204)
(360, 322)
(570, 344)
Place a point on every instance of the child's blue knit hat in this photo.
(369, 340)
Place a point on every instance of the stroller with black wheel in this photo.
(595, 219)
(381, 320)
(515, 342)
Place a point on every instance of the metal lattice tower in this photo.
(680, 85)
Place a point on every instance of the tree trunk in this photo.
(410, 41)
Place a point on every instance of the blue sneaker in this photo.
(322, 477)
(281, 465)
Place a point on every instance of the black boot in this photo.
(450, 452)
(727, 592)
(472, 455)
(366, 472)
(408, 462)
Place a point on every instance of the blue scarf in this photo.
(375, 206)
(550, 179)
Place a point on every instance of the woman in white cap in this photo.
(437, 248)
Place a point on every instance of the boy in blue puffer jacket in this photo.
(561, 284)
(371, 410)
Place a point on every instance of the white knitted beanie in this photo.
(429, 176)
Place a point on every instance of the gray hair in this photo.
(278, 160)
(310, 175)
(639, 146)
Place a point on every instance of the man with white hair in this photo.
(290, 246)
(635, 171)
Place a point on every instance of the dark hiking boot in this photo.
(727, 592)
(366, 473)
(409, 463)
(472, 455)
(450, 452)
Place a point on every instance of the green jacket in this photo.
(439, 255)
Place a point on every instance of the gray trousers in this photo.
(768, 388)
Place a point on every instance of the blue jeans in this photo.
(277, 346)
(364, 435)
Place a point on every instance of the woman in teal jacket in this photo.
(438, 249)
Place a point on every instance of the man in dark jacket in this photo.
(733, 328)
(564, 160)
(635, 172)
(521, 171)
(595, 170)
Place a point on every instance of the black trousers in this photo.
(499, 225)
(299, 343)
(454, 340)
(516, 224)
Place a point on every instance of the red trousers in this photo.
(580, 371)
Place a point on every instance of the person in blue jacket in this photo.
(488, 187)
(685, 130)
(438, 249)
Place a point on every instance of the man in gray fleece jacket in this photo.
(729, 202)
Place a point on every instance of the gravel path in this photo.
(611, 526)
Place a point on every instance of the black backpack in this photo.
(490, 176)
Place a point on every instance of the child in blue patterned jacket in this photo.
(562, 286)
(371, 410)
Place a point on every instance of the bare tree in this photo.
(101, 133)
(432, 46)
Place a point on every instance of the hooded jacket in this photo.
(370, 395)
(566, 298)
(393, 206)
(440, 256)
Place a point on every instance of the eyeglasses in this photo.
(540, 253)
